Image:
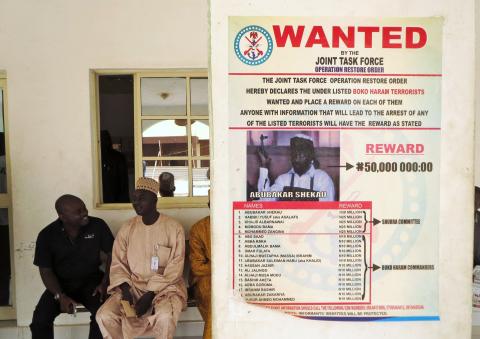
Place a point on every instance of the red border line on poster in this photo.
(345, 74)
(338, 128)
(301, 205)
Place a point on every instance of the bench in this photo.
(191, 314)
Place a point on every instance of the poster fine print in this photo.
(334, 143)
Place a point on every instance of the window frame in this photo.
(163, 202)
(8, 312)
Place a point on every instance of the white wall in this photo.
(477, 86)
(476, 313)
(47, 49)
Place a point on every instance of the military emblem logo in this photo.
(253, 45)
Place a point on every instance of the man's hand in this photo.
(67, 304)
(126, 294)
(101, 290)
(144, 303)
(263, 158)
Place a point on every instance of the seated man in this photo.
(200, 259)
(68, 253)
(146, 271)
(303, 181)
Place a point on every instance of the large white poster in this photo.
(334, 127)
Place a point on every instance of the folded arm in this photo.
(200, 263)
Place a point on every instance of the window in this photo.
(151, 123)
(7, 310)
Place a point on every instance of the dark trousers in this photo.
(48, 309)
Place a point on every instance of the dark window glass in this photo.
(116, 134)
(5, 270)
(3, 162)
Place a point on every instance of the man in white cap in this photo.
(303, 181)
(146, 271)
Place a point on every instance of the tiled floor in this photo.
(186, 330)
(8, 330)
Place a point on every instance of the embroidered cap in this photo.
(147, 184)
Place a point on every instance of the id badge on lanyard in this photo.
(154, 260)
